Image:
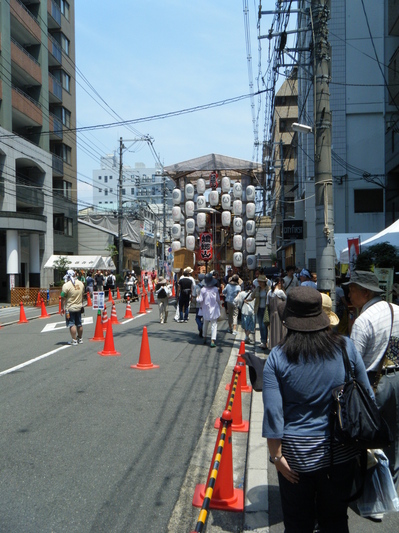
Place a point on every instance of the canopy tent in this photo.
(83, 262)
(389, 235)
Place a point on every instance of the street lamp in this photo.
(302, 128)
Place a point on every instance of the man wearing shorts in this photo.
(71, 306)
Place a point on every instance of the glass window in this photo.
(65, 9)
(68, 227)
(67, 189)
(105, 179)
(99, 177)
(369, 201)
(131, 191)
(123, 191)
(66, 117)
(106, 192)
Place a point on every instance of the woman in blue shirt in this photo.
(298, 378)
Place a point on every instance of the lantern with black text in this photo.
(206, 246)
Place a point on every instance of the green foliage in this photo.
(383, 255)
(113, 251)
(61, 265)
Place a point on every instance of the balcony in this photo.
(27, 112)
(24, 23)
(55, 52)
(58, 165)
(54, 15)
(56, 131)
(25, 69)
(30, 198)
(55, 89)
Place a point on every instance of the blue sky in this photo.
(148, 58)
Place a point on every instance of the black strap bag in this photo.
(355, 417)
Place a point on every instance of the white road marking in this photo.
(27, 363)
(61, 325)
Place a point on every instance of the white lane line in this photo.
(27, 363)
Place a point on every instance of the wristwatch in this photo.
(275, 459)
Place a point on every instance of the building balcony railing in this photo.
(24, 17)
(55, 87)
(55, 50)
(26, 105)
(58, 165)
(29, 196)
(54, 11)
(56, 127)
(26, 63)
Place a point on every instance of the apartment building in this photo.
(38, 186)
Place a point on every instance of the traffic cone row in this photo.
(38, 300)
(234, 403)
(243, 376)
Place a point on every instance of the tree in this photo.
(61, 265)
(113, 252)
(383, 255)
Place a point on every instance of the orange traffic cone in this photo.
(110, 299)
(142, 310)
(138, 289)
(104, 319)
(44, 310)
(109, 347)
(145, 356)
(128, 313)
(59, 305)
(235, 404)
(118, 294)
(98, 333)
(22, 316)
(38, 300)
(114, 318)
(89, 302)
(242, 348)
(243, 376)
(147, 305)
(152, 301)
(173, 289)
(224, 495)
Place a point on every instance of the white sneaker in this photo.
(73, 342)
(80, 341)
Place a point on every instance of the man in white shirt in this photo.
(290, 280)
(371, 333)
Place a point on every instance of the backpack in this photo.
(162, 293)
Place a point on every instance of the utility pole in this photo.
(325, 251)
(164, 222)
(120, 210)
(282, 203)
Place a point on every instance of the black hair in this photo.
(311, 344)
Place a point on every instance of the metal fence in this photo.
(29, 296)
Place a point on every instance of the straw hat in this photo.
(327, 308)
(162, 281)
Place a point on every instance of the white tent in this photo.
(341, 244)
(389, 235)
(83, 262)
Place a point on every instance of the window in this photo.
(111, 190)
(63, 225)
(110, 177)
(131, 191)
(67, 189)
(63, 78)
(123, 191)
(105, 179)
(106, 192)
(63, 151)
(68, 227)
(64, 42)
(100, 190)
(369, 200)
(66, 117)
(99, 177)
(65, 9)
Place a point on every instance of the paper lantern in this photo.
(226, 201)
(189, 208)
(201, 186)
(176, 246)
(250, 228)
(250, 210)
(237, 207)
(189, 191)
(176, 231)
(226, 218)
(176, 213)
(237, 189)
(214, 198)
(237, 242)
(176, 196)
(201, 202)
(250, 193)
(250, 245)
(237, 259)
(225, 184)
(201, 220)
(190, 226)
(190, 242)
(237, 225)
(251, 262)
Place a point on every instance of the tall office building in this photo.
(38, 186)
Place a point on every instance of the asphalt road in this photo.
(89, 444)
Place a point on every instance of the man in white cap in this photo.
(71, 305)
(373, 331)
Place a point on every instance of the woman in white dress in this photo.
(277, 330)
(209, 301)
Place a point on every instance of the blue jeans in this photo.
(198, 319)
(262, 327)
(319, 496)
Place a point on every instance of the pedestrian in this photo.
(209, 300)
(198, 310)
(153, 277)
(99, 281)
(277, 330)
(227, 276)
(176, 278)
(186, 288)
(315, 477)
(259, 294)
(290, 280)
(230, 292)
(374, 329)
(307, 279)
(111, 281)
(89, 283)
(247, 313)
(72, 306)
(163, 291)
(145, 280)
(327, 308)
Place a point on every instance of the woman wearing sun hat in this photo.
(298, 378)
(259, 294)
(209, 301)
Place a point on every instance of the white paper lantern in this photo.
(189, 191)
(190, 242)
(250, 228)
(237, 207)
(237, 224)
(176, 213)
(226, 201)
(201, 202)
(251, 262)
(176, 196)
(189, 208)
(250, 193)
(176, 245)
(226, 218)
(190, 226)
(201, 220)
(225, 184)
(201, 186)
(250, 245)
(237, 189)
(250, 210)
(237, 259)
(237, 242)
(214, 198)
(176, 231)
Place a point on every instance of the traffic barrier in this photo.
(219, 492)
(98, 333)
(114, 318)
(104, 319)
(89, 302)
(145, 356)
(128, 313)
(234, 404)
(152, 301)
(109, 346)
(22, 316)
(59, 305)
(142, 310)
(118, 294)
(43, 310)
